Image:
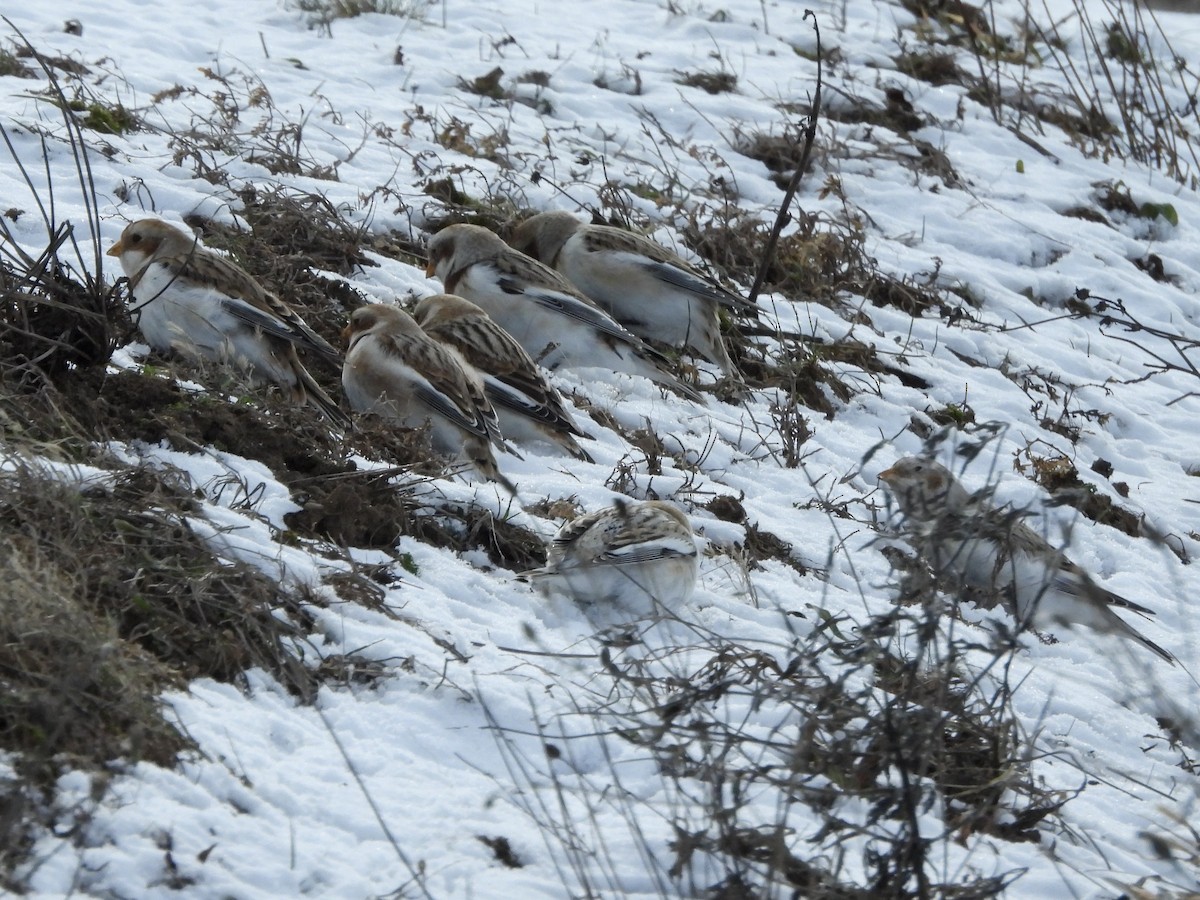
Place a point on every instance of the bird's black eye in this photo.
(135, 238)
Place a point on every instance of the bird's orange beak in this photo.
(430, 268)
(346, 332)
(887, 475)
(116, 249)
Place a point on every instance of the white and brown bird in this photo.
(556, 324)
(990, 550)
(396, 370)
(630, 560)
(647, 288)
(528, 406)
(198, 303)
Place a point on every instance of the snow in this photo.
(373, 791)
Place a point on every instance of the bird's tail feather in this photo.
(1130, 632)
(315, 395)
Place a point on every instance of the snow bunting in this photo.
(395, 369)
(556, 324)
(529, 408)
(192, 300)
(632, 559)
(647, 288)
(990, 550)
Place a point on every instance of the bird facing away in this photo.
(396, 370)
(198, 303)
(556, 324)
(989, 550)
(528, 406)
(647, 288)
(629, 560)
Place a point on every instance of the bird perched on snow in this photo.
(632, 559)
(556, 324)
(647, 288)
(192, 300)
(395, 369)
(528, 406)
(990, 550)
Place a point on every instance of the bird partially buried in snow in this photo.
(556, 324)
(989, 550)
(630, 560)
(396, 370)
(193, 301)
(528, 406)
(647, 288)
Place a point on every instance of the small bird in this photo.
(990, 550)
(193, 301)
(528, 406)
(647, 288)
(632, 559)
(556, 324)
(395, 369)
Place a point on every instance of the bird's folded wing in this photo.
(505, 396)
(285, 325)
(572, 308)
(1072, 580)
(439, 402)
(441, 384)
(662, 548)
(685, 280)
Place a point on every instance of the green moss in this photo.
(108, 119)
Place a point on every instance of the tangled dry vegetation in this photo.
(116, 596)
(727, 725)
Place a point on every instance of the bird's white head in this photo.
(146, 239)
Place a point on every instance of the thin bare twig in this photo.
(810, 135)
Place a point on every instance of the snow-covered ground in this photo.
(369, 792)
